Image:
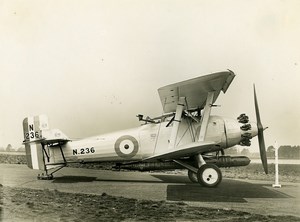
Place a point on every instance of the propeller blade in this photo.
(260, 135)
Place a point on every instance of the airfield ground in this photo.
(92, 195)
(45, 205)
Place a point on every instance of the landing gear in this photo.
(209, 175)
(192, 176)
(49, 176)
(45, 176)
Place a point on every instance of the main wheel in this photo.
(209, 175)
(192, 176)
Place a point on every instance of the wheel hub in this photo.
(210, 175)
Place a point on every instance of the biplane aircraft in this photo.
(186, 136)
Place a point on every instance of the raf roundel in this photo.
(126, 147)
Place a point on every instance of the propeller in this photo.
(260, 135)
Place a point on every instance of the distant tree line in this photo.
(9, 148)
(285, 152)
(235, 152)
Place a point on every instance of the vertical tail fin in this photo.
(32, 128)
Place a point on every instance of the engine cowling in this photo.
(230, 132)
(240, 131)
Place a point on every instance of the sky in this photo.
(92, 66)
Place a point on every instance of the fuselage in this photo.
(147, 140)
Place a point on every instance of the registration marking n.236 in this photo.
(83, 151)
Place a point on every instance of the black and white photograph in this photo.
(147, 110)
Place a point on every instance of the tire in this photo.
(193, 176)
(209, 175)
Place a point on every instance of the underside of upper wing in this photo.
(195, 90)
(186, 150)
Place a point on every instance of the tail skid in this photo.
(47, 175)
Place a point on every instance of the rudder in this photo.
(32, 128)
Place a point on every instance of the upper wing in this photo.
(186, 151)
(195, 90)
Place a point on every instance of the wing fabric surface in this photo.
(195, 90)
(186, 151)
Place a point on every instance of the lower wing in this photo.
(186, 150)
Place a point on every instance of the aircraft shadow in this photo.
(73, 179)
(79, 179)
(227, 191)
(179, 188)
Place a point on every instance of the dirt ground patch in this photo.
(51, 205)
